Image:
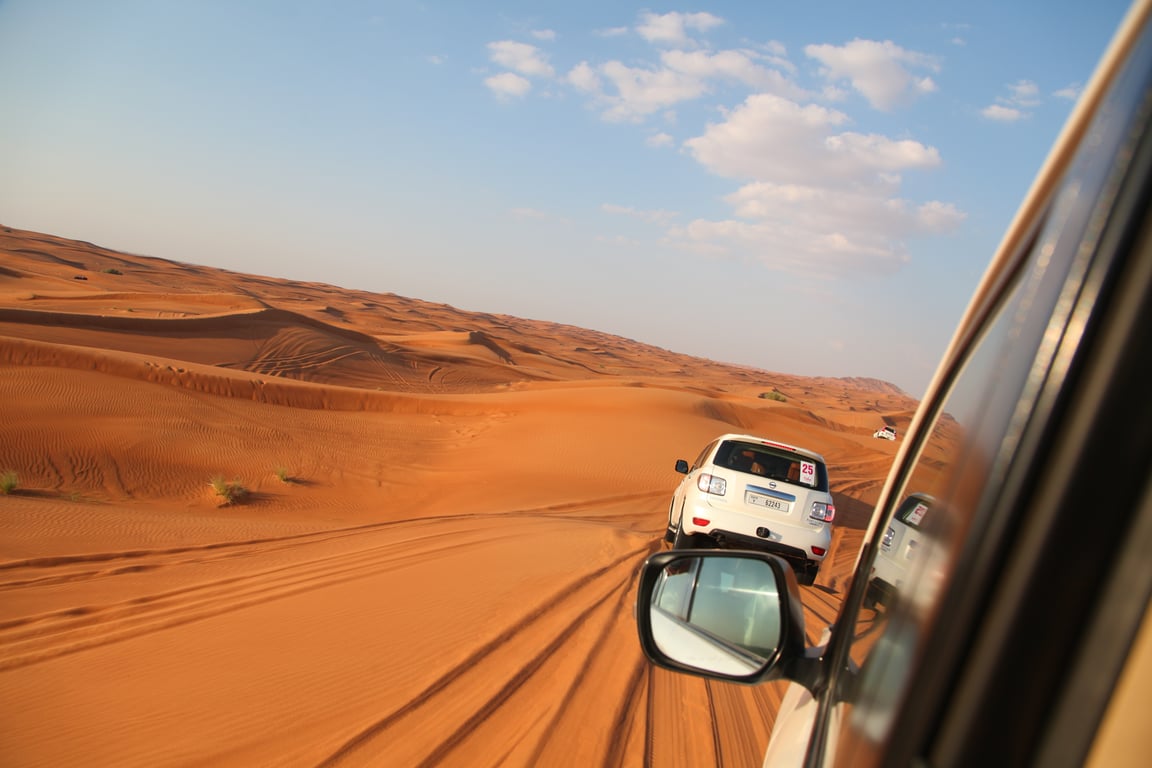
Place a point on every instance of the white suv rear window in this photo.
(912, 512)
(772, 463)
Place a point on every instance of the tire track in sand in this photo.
(468, 696)
(40, 637)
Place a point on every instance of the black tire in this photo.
(688, 540)
(806, 576)
(670, 532)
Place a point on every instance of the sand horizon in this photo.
(434, 559)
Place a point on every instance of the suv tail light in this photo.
(823, 512)
(717, 486)
(890, 534)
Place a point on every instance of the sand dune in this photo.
(435, 560)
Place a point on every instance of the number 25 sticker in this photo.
(807, 473)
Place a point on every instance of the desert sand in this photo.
(435, 559)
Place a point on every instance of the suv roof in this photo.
(772, 444)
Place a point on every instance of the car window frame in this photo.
(988, 302)
(1113, 246)
(703, 456)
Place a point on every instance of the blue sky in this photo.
(811, 188)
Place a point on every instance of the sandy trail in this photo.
(466, 640)
(327, 647)
(433, 642)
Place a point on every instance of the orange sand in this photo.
(445, 573)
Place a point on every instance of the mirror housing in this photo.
(731, 615)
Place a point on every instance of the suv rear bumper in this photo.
(733, 540)
(787, 538)
(880, 591)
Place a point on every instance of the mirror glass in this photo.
(717, 614)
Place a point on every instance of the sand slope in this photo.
(435, 563)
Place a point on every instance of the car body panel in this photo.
(788, 743)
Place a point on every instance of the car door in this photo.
(676, 508)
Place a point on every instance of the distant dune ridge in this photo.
(434, 559)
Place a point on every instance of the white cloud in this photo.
(1024, 93)
(767, 137)
(831, 93)
(1022, 96)
(612, 32)
(776, 49)
(881, 72)
(508, 85)
(584, 78)
(860, 153)
(660, 140)
(1002, 114)
(1070, 92)
(672, 28)
(738, 66)
(544, 34)
(631, 93)
(819, 200)
(628, 93)
(520, 57)
(834, 233)
(641, 92)
(935, 217)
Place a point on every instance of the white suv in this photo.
(747, 492)
(885, 433)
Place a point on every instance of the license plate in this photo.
(768, 502)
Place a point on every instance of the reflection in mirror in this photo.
(717, 614)
(900, 548)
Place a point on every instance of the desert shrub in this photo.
(773, 395)
(282, 474)
(111, 271)
(8, 482)
(231, 491)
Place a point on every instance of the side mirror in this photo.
(731, 615)
(682, 466)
